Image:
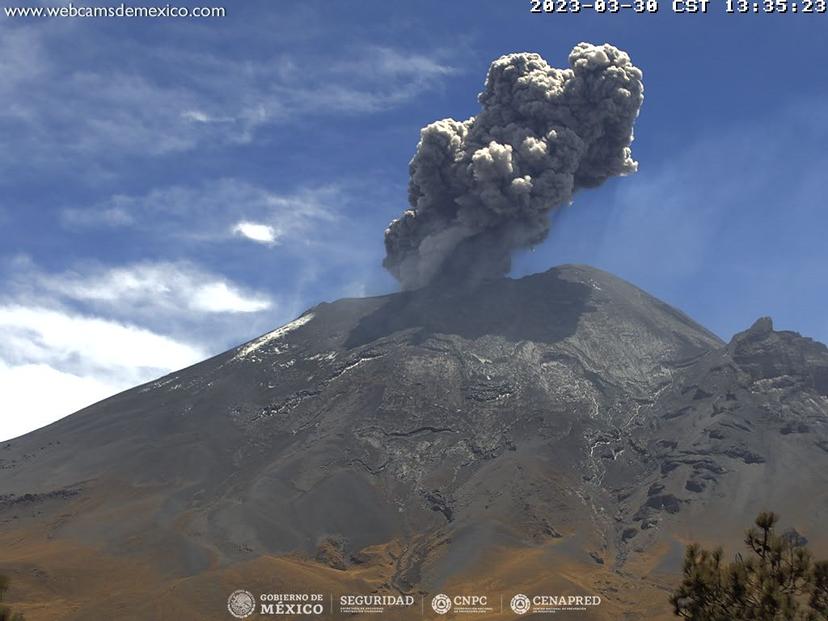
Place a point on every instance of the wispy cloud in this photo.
(160, 287)
(84, 112)
(216, 211)
(367, 80)
(179, 299)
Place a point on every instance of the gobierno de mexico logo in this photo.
(241, 604)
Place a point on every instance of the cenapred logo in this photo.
(551, 604)
(520, 604)
(441, 604)
(241, 604)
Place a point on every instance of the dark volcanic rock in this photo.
(443, 424)
(763, 353)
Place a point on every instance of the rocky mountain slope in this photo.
(563, 432)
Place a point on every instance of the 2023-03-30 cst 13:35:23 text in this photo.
(791, 7)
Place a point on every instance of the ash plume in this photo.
(484, 187)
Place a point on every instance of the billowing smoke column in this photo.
(484, 187)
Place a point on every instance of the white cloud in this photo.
(261, 233)
(218, 297)
(54, 362)
(34, 334)
(34, 395)
(197, 116)
(166, 287)
(69, 339)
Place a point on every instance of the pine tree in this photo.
(779, 581)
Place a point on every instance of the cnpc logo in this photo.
(442, 603)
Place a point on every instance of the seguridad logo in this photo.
(373, 604)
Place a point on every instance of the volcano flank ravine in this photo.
(561, 433)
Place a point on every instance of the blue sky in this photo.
(172, 187)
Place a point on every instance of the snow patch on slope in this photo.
(260, 342)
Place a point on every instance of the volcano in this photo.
(562, 433)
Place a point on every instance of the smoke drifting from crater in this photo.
(484, 187)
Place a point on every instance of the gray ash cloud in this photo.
(484, 187)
